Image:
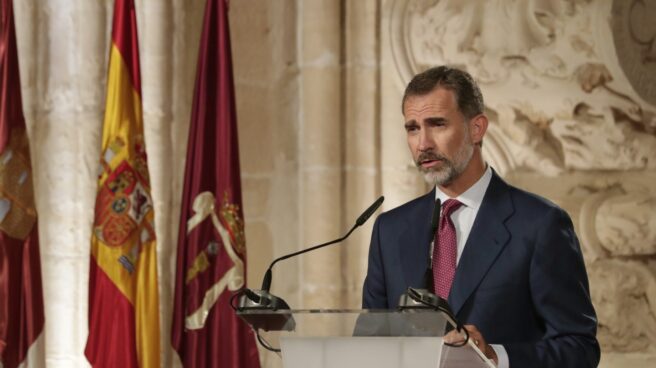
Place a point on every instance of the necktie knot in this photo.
(449, 206)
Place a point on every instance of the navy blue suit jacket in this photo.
(521, 278)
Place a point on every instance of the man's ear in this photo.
(477, 128)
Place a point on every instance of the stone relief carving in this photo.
(570, 85)
(616, 220)
(627, 320)
(634, 36)
(546, 75)
(616, 229)
(626, 225)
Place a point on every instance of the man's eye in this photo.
(411, 128)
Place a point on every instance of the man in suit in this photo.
(507, 260)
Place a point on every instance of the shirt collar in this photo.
(472, 197)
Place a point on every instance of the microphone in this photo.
(266, 281)
(435, 223)
(262, 299)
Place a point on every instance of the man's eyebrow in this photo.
(435, 120)
(410, 123)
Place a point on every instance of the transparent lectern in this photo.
(361, 338)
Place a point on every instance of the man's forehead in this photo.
(438, 100)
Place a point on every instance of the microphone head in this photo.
(369, 211)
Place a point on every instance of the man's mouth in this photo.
(427, 164)
(428, 161)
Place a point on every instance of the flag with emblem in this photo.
(21, 297)
(123, 295)
(211, 245)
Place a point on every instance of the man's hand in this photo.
(454, 337)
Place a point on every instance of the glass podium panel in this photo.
(320, 338)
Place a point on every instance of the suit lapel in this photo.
(414, 243)
(487, 239)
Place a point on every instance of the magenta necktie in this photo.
(445, 250)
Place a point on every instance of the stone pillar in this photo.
(265, 69)
(264, 51)
(320, 150)
(361, 137)
(63, 57)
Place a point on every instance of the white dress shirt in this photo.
(463, 220)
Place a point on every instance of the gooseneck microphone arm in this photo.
(266, 281)
(435, 222)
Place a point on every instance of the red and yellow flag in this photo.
(21, 300)
(123, 295)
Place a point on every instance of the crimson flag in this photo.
(211, 246)
(21, 298)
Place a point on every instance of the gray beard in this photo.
(452, 169)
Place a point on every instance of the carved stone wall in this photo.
(570, 87)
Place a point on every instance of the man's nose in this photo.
(426, 142)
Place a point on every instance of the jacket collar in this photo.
(489, 235)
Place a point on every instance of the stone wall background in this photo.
(569, 85)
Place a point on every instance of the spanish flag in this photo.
(123, 295)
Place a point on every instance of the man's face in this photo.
(438, 136)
